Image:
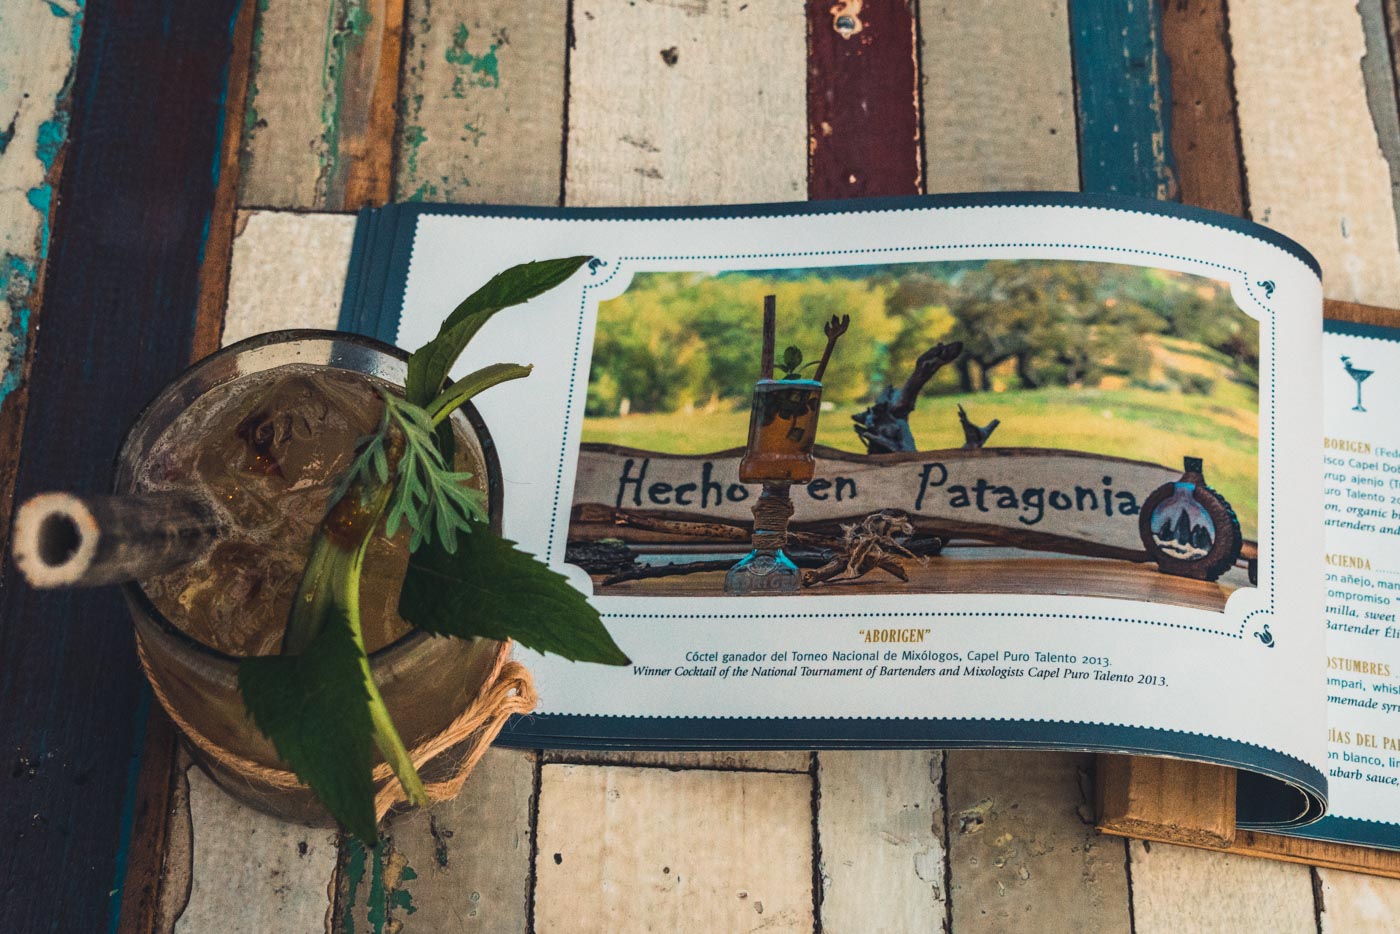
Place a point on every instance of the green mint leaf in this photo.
(316, 710)
(429, 365)
(792, 358)
(490, 588)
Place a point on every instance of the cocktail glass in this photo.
(426, 682)
(782, 430)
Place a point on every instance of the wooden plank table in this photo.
(293, 113)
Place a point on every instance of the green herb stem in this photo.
(456, 395)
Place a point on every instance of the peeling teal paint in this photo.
(1123, 91)
(401, 897)
(480, 70)
(413, 137)
(385, 896)
(52, 134)
(21, 274)
(354, 874)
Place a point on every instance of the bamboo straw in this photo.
(770, 336)
(63, 540)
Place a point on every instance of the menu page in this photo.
(1361, 489)
(1014, 470)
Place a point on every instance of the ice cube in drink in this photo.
(268, 449)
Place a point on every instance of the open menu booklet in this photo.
(1043, 471)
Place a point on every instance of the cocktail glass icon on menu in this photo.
(782, 430)
(1360, 376)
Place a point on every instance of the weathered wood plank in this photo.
(1348, 901)
(1124, 97)
(644, 849)
(154, 811)
(38, 53)
(218, 245)
(319, 126)
(482, 102)
(687, 103)
(288, 271)
(1378, 74)
(1178, 888)
(252, 872)
(133, 202)
(462, 865)
(1312, 160)
(998, 89)
(863, 120)
(880, 831)
(1022, 851)
(1205, 129)
(1188, 802)
(752, 760)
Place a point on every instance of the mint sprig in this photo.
(318, 702)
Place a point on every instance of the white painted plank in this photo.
(998, 87)
(1313, 163)
(1350, 901)
(687, 103)
(288, 271)
(1023, 854)
(880, 829)
(631, 849)
(1177, 888)
(251, 872)
(38, 50)
(482, 102)
(284, 145)
(470, 857)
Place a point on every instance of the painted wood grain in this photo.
(482, 102)
(218, 245)
(1178, 888)
(881, 836)
(1124, 99)
(998, 90)
(760, 760)
(1145, 796)
(319, 125)
(145, 127)
(1204, 125)
(461, 865)
(1349, 901)
(38, 54)
(1312, 159)
(687, 103)
(253, 873)
(863, 120)
(155, 812)
(1378, 74)
(288, 271)
(1022, 851)
(626, 849)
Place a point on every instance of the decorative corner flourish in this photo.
(1265, 637)
(1268, 286)
(595, 264)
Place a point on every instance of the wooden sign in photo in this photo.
(1017, 499)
